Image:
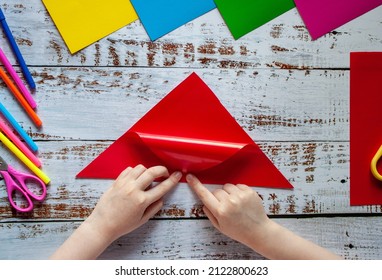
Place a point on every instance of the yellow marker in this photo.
(24, 159)
(373, 165)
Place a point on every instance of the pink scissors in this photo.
(15, 181)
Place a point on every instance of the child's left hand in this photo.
(129, 202)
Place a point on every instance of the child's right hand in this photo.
(235, 210)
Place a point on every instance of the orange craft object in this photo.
(31, 113)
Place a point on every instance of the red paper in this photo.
(191, 131)
(365, 126)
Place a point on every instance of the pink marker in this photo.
(28, 97)
(19, 144)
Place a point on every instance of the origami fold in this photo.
(83, 22)
(244, 16)
(190, 130)
(160, 17)
(323, 16)
(365, 126)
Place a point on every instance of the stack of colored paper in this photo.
(82, 23)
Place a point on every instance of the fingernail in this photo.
(189, 177)
(178, 175)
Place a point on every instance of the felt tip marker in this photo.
(17, 52)
(32, 145)
(39, 173)
(28, 109)
(4, 60)
(8, 132)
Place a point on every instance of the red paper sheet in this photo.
(365, 126)
(191, 131)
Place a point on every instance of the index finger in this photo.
(149, 175)
(164, 187)
(203, 193)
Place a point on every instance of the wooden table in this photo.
(289, 93)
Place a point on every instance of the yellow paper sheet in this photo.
(83, 22)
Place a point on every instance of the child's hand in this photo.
(126, 205)
(130, 202)
(235, 210)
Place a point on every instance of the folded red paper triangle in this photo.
(190, 130)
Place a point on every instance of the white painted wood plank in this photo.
(102, 103)
(299, 118)
(319, 172)
(352, 238)
(204, 42)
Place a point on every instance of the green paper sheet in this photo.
(244, 16)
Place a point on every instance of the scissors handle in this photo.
(23, 178)
(373, 165)
(12, 187)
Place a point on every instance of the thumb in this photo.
(151, 210)
(211, 217)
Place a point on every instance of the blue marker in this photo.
(18, 128)
(17, 52)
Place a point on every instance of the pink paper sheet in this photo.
(323, 16)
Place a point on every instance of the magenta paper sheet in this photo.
(323, 16)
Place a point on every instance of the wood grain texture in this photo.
(102, 103)
(319, 172)
(299, 119)
(290, 94)
(202, 43)
(351, 238)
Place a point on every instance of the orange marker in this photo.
(31, 113)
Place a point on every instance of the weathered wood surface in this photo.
(351, 238)
(300, 119)
(290, 94)
(318, 170)
(202, 43)
(102, 103)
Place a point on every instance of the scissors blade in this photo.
(3, 165)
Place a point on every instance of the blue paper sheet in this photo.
(160, 17)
